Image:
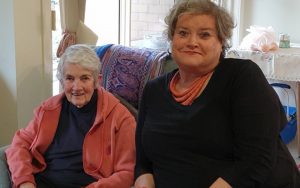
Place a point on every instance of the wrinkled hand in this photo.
(27, 185)
(220, 183)
(144, 181)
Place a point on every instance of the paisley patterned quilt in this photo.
(126, 70)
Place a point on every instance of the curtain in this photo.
(235, 8)
(71, 13)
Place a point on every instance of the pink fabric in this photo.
(108, 150)
(188, 96)
(69, 38)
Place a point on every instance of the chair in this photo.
(289, 131)
(5, 181)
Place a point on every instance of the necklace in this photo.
(189, 95)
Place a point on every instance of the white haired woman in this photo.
(83, 137)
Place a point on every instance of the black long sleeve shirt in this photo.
(231, 131)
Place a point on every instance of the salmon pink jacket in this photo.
(108, 147)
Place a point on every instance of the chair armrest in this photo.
(5, 181)
(130, 108)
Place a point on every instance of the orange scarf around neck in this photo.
(189, 95)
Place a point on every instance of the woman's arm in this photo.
(256, 119)
(18, 156)
(143, 164)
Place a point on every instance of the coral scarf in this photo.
(189, 95)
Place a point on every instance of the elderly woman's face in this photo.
(195, 43)
(78, 84)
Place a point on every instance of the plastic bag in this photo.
(259, 39)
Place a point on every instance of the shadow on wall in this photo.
(34, 87)
(8, 114)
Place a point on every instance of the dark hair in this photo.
(224, 21)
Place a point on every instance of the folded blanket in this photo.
(126, 70)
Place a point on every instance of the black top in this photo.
(231, 131)
(64, 155)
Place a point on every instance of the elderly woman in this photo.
(83, 137)
(214, 122)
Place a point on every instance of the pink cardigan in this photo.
(108, 148)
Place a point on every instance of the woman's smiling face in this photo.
(195, 43)
(78, 84)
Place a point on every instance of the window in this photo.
(147, 23)
(56, 37)
(102, 17)
(136, 23)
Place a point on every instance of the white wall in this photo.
(282, 15)
(8, 106)
(25, 62)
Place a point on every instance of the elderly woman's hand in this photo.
(27, 185)
(144, 181)
(220, 183)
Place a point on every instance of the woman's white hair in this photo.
(82, 55)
